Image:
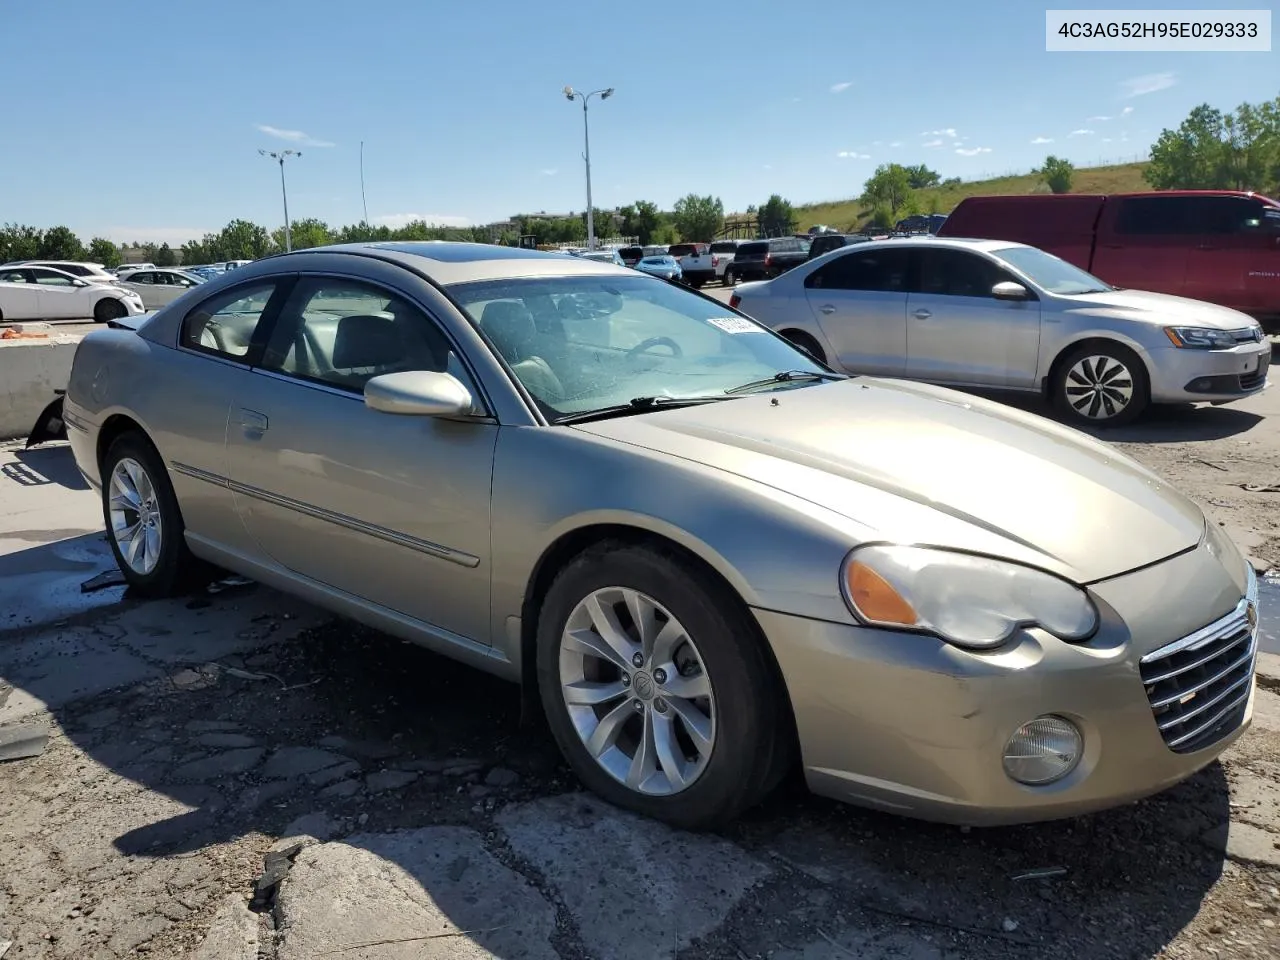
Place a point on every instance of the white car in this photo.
(124, 268)
(93, 272)
(43, 293)
(159, 287)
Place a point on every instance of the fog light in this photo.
(1043, 750)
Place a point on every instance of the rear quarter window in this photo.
(753, 249)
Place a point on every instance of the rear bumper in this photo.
(913, 726)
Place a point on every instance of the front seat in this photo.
(365, 345)
(511, 328)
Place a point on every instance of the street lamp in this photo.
(571, 94)
(280, 156)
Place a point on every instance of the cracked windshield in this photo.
(489, 481)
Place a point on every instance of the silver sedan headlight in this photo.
(970, 601)
(1200, 338)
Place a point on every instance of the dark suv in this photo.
(764, 259)
(826, 242)
(631, 255)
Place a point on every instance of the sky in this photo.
(145, 124)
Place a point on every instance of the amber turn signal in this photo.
(874, 597)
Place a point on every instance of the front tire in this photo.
(144, 523)
(730, 278)
(108, 309)
(657, 687)
(1101, 385)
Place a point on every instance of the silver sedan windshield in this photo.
(585, 343)
(1052, 274)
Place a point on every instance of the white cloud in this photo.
(877, 143)
(795, 99)
(1147, 83)
(293, 136)
(397, 220)
(549, 172)
(853, 155)
(947, 132)
(972, 152)
(896, 143)
(1126, 111)
(174, 236)
(1106, 139)
(768, 166)
(841, 87)
(1043, 140)
(1080, 133)
(932, 143)
(1100, 119)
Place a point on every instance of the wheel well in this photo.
(1046, 386)
(111, 429)
(805, 341)
(569, 546)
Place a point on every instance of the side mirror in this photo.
(79, 283)
(1008, 290)
(418, 393)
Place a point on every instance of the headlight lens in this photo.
(975, 602)
(1043, 750)
(1199, 338)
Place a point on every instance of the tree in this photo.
(165, 257)
(1211, 150)
(19, 242)
(699, 218)
(1057, 173)
(921, 177)
(104, 252)
(776, 217)
(195, 252)
(239, 240)
(306, 233)
(640, 220)
(59, 243)
(889, 186)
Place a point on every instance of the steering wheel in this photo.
(646, 345)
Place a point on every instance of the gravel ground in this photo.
(187, 738)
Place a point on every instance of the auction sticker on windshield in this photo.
(735, 325)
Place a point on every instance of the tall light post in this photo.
(280, 156)
(572, 94)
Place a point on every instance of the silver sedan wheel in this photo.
(637, 692)
(134, 509)
(1099, 387)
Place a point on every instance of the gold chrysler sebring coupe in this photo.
(710, 557)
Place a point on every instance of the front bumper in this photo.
(914, 726)
(1180, 375)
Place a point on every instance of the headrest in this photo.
(510, 326)
(363, 340)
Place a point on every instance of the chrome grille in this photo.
(1199, 686)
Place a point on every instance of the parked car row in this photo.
(54, 290)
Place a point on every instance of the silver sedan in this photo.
(709, 557)
(983, 313)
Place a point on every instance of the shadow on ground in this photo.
(347, 722)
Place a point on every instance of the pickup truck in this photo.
(695, 262)
(1215, 245)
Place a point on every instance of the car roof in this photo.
(928, 240)
(448, 262)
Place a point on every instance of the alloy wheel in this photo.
(1099, 387)
(636, 691)
(134, 510)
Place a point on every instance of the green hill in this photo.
(850, 214)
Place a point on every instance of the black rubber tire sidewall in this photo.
(1141, 386)
(172, 573)
(108, 309)
(730, 277)
(805, 342)
(747, 702)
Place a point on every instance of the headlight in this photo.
(1199, 338)
(969, 601)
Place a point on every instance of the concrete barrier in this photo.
(30, 372)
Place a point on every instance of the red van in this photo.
(1214, 245)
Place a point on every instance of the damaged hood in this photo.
(922, 464)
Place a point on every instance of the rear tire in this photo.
(730, 278)
(693, 759)
(1101, 385)
(137, 494)
(108, 309)
(806, 343)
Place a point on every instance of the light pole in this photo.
(280, 156)
(571, 94)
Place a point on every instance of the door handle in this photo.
(923, 314)
(827, 308)
(253, 421)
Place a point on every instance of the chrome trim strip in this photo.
(1238, 628)
(1208, 724)
(1175, 697)
(1171, 722)
(319, 513)
(1234, 620)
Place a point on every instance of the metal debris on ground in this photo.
(23, 740)
(1043, 873)
(108, 578)
(1261, 487)
(228, 583)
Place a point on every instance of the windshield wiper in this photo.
(635, 405)
(786, 376)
